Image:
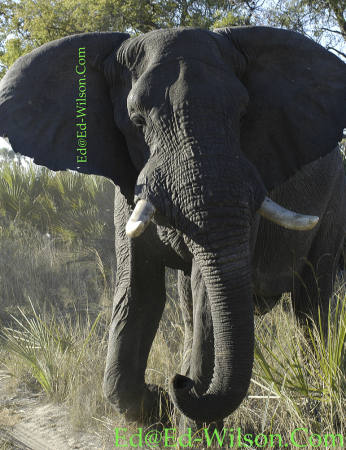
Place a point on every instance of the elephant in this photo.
(223, 146)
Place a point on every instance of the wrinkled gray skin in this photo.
(205, 125)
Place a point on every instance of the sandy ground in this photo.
(28, 422)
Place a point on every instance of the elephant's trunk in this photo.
(227, 277)
(213, 206)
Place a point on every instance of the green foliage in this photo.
(47, 348)
(27, 24)
(195, 13)
(301, 372)
(232, 19)
(289, 14)
(31, 23)
(13, 48)
(66, 205)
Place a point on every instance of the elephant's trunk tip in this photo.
(182, 395)
(180, 382)
(140, 218)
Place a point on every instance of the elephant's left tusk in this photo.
(288, 219)
(140, 218)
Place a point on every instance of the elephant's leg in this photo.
(200, 362)
(202, 354)
(138, 305)
(185, 296)
(263, 305)
(313, 287)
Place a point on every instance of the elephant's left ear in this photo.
(297, 99)
(55, 107)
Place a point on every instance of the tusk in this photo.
(140, 218)
(288, 219)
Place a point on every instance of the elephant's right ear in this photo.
(297, 99)
(55, 107)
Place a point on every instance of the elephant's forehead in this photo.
(164, 45)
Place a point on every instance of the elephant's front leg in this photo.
(198, 363)
(138, 305)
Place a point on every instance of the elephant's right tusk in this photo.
(288, 219)
(140, 218)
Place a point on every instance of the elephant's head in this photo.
(200, 126)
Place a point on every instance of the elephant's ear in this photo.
(49, 111)
(297, 100)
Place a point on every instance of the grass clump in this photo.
(48, 350)
(314, 369)
(299, 383)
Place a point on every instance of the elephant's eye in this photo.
(138, 121)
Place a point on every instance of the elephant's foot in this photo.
(152, 407)
(161, 413)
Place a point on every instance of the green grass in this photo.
(48, 349)
(300, 382)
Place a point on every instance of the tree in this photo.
(322, 20)
(240, 13)
(28, 24)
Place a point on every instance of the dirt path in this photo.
(29, 423)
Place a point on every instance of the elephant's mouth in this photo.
(144, 212)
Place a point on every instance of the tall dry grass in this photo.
(69, 276)
(56, 239)
(293, 386)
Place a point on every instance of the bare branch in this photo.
(336, 50)
(332, 31)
